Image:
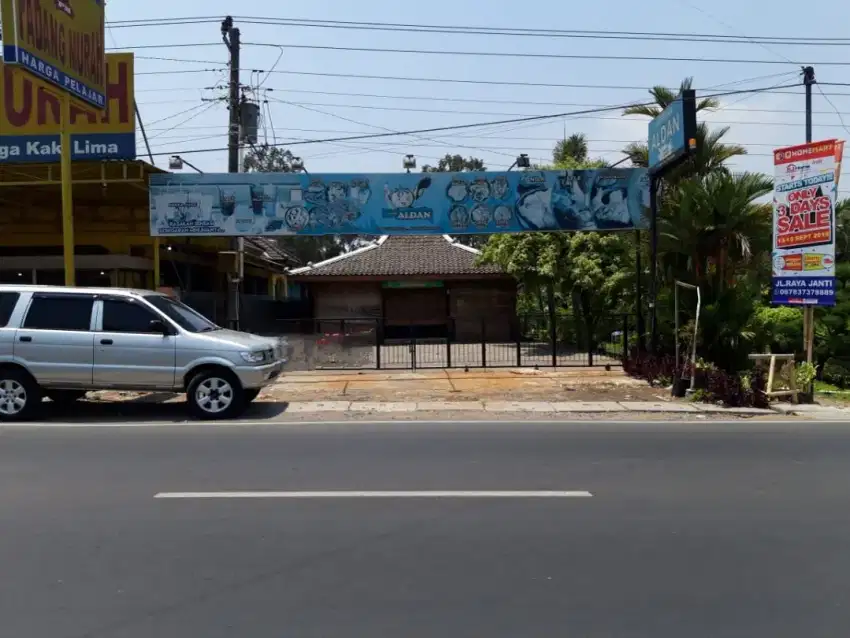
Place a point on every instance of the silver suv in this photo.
(61, 342)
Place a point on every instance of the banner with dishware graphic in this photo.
(251, 204)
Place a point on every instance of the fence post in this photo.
(518, 326)
(483, 343)
(449, 334)
(553, 329)
(379, 338)
(412, 330)
(590, 343)
(625, 339)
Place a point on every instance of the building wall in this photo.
(483, 305)
(461, 306)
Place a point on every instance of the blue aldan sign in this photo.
(670, 133)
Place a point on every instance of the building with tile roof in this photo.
(431, 286)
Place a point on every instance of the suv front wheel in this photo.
(216, 394)
(19, 395)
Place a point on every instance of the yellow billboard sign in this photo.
(30, 111)
(60, 41)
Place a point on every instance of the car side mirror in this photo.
(158, 325)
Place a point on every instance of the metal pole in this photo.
(641, 329)
(653, 276)
(67, 191)
(144, 134)
(809, 311)
(233, 43)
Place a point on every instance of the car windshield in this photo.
(181, 314)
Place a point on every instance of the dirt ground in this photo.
(576, 384)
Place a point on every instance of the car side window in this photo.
(60, 312)
(126, 316)
(8, 301)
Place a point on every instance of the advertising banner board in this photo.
(61, 42)
(251, 204)
(805, 192)
(30, 110)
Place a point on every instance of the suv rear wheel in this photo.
(19, 395)
(215, 394)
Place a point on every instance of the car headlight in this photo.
(254, 357)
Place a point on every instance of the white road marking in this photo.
(378, 494)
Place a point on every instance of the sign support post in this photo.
(672, 139)
(67, 191)
(809, 311)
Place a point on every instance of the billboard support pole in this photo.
(641, 329)
(809, 312)
(653, 276)
(67, 190)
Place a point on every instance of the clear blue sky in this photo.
(753, 117)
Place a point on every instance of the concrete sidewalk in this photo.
(519, 407)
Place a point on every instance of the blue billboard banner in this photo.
(84, 147)
(803, 291)
(671, 132)
(251, 204)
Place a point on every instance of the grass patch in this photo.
(831, 392)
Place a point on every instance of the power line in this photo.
(526, 115)
(500, 31)
(504, 82)
(428, 98)
(535, 118)
(498, 54)
(515, 54)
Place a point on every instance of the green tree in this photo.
(273, 159)
(573, 148)
(267, 159)
(455, 164)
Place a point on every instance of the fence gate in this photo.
(535, 342)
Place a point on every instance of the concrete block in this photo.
(588, 406)
(373, 406)
(305, 407)
(518, 406)
(657, 406)
(448, 406)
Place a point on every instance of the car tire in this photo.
(215, 394)
(251, 395)
(64, 398)
(20, 395)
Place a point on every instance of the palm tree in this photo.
(714, 227)
(572, 147)
(711, 153)
(664, 97)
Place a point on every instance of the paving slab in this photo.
(720, 409)
(518, 406)
(439, 406)
(588, 406)
(303, 407)
(374, 406)
(657, 406)
(398, 385)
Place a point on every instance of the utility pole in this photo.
(231, 37)
(809, 311)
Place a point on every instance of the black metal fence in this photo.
(527, 341)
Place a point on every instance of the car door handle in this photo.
(26, 339)
(106, 342)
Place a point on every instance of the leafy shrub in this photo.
(711, 383)
(837, 372)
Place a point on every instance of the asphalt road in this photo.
(692, 530)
